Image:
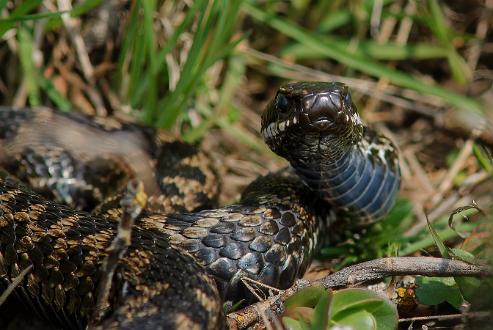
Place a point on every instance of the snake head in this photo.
(310, 108)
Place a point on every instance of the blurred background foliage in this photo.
(421, 71)
(187, 60)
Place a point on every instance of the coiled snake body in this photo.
(184, 260)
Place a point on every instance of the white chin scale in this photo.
(275, 128)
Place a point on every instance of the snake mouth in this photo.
(277, 128)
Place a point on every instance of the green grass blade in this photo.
(30, 72)
(210, 44)
(32, 17)
(438, 24)
(335, 20)
(160, 65)
(84, 7)
(60, 101)
(21, 10)
(3, 3)
(365, 65)
(372, 49)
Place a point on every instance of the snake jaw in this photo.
(274, 129)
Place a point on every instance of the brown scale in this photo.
(270, 235)
(76, 159)
(66, 257)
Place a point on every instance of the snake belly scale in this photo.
(59, 211)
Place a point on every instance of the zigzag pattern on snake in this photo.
(185, 257)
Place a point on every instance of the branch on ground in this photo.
(368, 271)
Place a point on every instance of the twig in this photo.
(364, 272)
(447, 317)
(419, 172)
(481, 33)
(394, 266)
(132, 203)
(448, 181)
(401, 39)
(392, 94)
(85, 62)
(71, 26)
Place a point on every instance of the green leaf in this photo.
(307, 297)
(423, 239)
(475, 290)
(439, 243)
(469, 286)
(440, 27)
(292, 324)
(462, 213)
(463, 255)
(353, 301)
(360, 319)
(438, 21)
(436, 290)
(321, 313)
(310, 304)
(484, 156)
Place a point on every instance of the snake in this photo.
(63, 175)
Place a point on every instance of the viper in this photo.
(64, 176)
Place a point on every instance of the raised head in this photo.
(312, 110)
(311, 106)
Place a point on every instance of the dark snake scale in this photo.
(61, 181)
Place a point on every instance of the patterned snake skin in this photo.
(185, 258)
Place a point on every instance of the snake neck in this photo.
(355, 171)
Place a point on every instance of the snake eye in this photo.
(282, 103)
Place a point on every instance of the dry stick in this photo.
(456, 198)
(132, 203)
(419, 173)
(367, 271)
(481, 33)
(425, 185)
(460, 197)
(84, 60)
(417, 102)
(458, 165)
(447, 317)
(401, 39)
(70, 25)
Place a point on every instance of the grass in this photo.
(162, 92)
(184, 67)
(147, 70)
(359, 60)
(146, 81)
